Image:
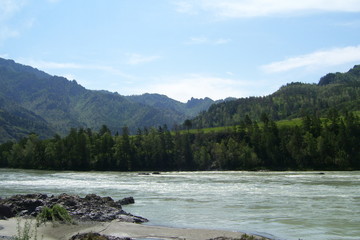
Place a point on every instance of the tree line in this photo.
(317, 144)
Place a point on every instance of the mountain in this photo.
(16, 122)
(339, 91)
(34, 101)
(161, 102)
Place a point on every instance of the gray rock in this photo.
(84, 236)
(126, 201)
(90, 208)
(5, 212)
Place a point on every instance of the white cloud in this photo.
(261, 8)
(205, 40)
(230, 73)
(199, 86)
(316, 60)
(6, 32)
(197, 40)
(185, 7)
(69, 76)
(4, 55)
(221, 41)
(135, 59)
(352, 24)
(52, 65)
(48, 65)
(8, 9)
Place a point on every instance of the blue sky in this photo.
(183, 48)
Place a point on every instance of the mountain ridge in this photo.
(32, 101)
(340, 91)
(65, 104)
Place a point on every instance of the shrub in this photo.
(56, 213)
(61, 214)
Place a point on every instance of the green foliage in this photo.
(56, 213)
(247, 237)
(302, 144)
(45, 215)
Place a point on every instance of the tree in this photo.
(188, 124)
(5, 150)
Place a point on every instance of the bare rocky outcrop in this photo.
(89, 208)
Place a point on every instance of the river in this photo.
(280, 205)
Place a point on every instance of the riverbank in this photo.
(89, 214)
(8, 228)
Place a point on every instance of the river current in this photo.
(280, 205)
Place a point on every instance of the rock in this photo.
(131, 218)
(126, 201)
(5, 212)
(6, 238)
(23, 204)
(243, 237)
(143, 173)
(96, 236)
(90, 208)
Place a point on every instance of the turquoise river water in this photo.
(280, 205)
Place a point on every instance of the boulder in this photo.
(90, 208)
(95, 236)
(126, 201)
(5, 212)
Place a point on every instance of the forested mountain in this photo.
(327, 137)
(335, 90)
(33, 101)
(17, 122)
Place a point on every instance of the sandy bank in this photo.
(115, 228)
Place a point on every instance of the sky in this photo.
(183, 48)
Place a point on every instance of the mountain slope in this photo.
(54, 104)
(335, 90)
(16, 122)
(185, 110)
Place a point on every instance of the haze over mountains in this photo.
(34, 101)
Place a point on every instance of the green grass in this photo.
(289, 123)
(282, 123)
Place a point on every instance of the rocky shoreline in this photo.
(98, 218)
(89, 208)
